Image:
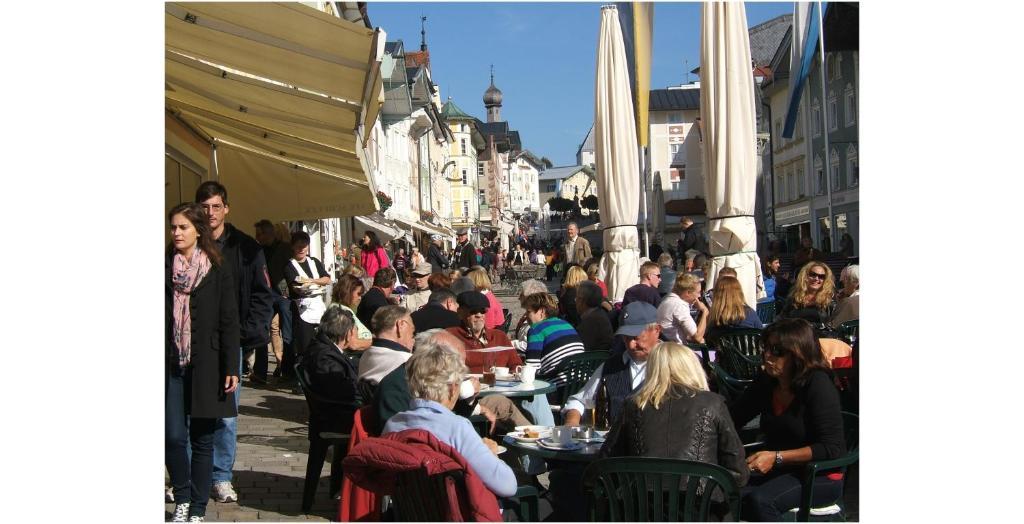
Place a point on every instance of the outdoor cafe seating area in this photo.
(615, 488)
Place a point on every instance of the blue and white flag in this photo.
(805, 37)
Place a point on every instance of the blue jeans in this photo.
(767, 498)
(188, 445)
(225, 440)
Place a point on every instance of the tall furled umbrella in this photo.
(615, 148)
(730, 162)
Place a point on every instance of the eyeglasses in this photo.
(214, 207)
(818, 276)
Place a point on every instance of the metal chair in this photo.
(647, 489)
(321, 408)
(576, 371)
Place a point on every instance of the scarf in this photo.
(185, 276)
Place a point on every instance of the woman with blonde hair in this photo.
(812, 297)
(593, 266)
(495, 316)
(674, 311)
(728, 309)
(673, 415)
(567, 295)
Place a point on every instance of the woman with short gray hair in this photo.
(434, 374)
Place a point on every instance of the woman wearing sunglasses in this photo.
(812, 297)
(800, 419)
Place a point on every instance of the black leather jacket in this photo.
(690, 428)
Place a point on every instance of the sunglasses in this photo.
(773, 351)
(478, 312)
(818, 276)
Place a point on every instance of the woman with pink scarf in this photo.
(201, 357)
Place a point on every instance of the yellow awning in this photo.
(280, 85)
(260, 187)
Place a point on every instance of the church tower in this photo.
(492, 101)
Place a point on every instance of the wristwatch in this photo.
(778, 458)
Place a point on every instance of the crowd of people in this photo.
(403, 333)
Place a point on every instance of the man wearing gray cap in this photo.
(465, 253)
(419, 291)
(624, 371)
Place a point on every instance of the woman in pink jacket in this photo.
(495, 316)
(373, 256)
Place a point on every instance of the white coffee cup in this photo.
(562, 435)
(527, 373)
(499, 371)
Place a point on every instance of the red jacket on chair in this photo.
(358, 504)
(374, 463)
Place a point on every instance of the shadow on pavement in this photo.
(279, 407)
(284, 496)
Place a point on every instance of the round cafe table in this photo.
(587, 453)
(537, 387)
(531, 398)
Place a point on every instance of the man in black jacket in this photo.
(465, 253)
(691, 238)
(438, 313)
(435, 257)
(378, 296)
(332, 375)
(243, 256)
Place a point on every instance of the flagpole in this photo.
(826, 127)
(643, 187)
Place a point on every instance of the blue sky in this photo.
(544, 58)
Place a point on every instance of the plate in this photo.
(502, 449)
(539, 429)
(507, 378)
(591, 440)
(484, 387)
(548, 443)
(518, 436)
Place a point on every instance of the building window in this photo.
(833, 107)
(816, 117)
(798, 131)
(480, 169)
(801, 182)
(833, 166)
(483, 195)
(851, 106)
(465, 179)
(465, 208)
(463, 147)
(852, 165)
(778, 132)
(838, 69)
(675, 118)
(780, 189)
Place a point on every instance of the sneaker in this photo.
(181, 512)
(196, 519)
(224, 492)
(169, 494)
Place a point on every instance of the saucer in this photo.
(549, 443)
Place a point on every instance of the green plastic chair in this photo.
(419, 497)
(646, 489)
(766, 312)
(851, 433)
(319, 440)
(577, 370)
(849, 330)
(738, 361)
